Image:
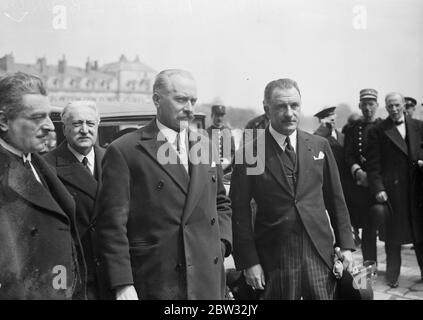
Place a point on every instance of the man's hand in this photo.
(126, 293)
(347, 260)
(361, 178)
(381, 197)
(254, 276)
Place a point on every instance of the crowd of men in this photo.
(149, 217)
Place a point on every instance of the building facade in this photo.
(112, 84)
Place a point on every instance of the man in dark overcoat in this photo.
(77, 161)
(393, 168)
(39, 243)
(164, 220)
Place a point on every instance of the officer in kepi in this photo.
(361, 203)
(222, 137)
(410, 106)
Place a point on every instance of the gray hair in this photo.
(281, 84)
(13, 87)
(394, 94)
(163, 78)
(79, 104)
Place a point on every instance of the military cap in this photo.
(368, 94)
(325, 112)
(410, 102)
(218, 109)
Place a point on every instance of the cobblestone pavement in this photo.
(410, 284)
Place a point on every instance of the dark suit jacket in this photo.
(37, 232)
(392, 167)
(318, 189)
(158, 229)
(84, 188)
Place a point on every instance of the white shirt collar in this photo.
(280, 138)
(90, 156)
(15, 151)
(169, 133)
(401, 119)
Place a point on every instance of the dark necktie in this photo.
(85, 163)
(289, 150)
(182, 152)
(399, 122)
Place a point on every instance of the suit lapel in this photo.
(274, 163)
(305, 158)
(23, 182)
(413, 133)
(198, 180)
(393, 134)
(152, 145)
(72, 171)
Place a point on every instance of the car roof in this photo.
(118, 109)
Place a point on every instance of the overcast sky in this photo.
(234, 47)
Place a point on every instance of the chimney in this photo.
(122, 58)
(95, 66)
(62, 65)
(7, 62)
(88, 65)
(42, 65)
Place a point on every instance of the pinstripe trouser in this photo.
(302, 272)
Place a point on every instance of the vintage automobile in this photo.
(116, 120)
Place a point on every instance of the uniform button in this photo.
(213, 178)
(360, 150)
(213, 221)
(34, 232)
(360, 133)
(359, 138)
(97, 262)
(216, 260)
(160, 185)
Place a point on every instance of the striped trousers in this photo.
(302, 272)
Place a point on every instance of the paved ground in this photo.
(410, 286)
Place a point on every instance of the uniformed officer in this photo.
(221, 135)
(410, 106)
(360, 201)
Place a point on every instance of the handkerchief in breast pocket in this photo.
(320, 156)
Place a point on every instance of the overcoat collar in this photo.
(23, 182)
(73, 172)
(394, 135)
(192, 186)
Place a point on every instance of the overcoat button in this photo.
(216, 260)
(160, 185)
(213, 221)
(34, 232)
(214, 178)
